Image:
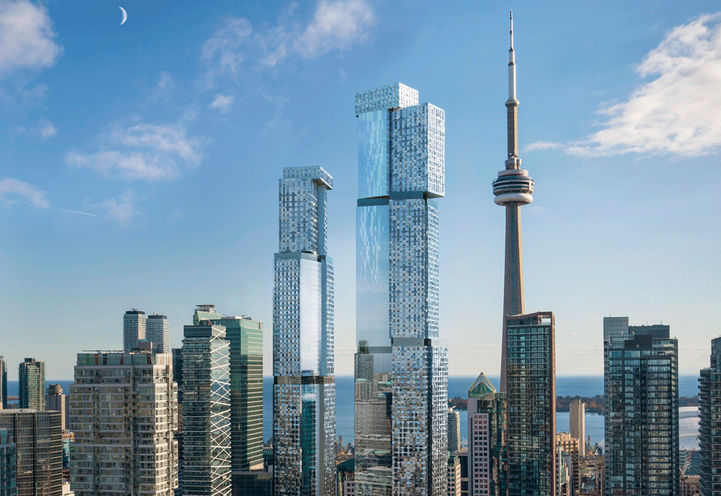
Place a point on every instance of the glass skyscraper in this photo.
(641, 410)
(531, 396)
(38, 448)
(3, 383)
(133, 329)
(401, 369)
(8, 465)
(31, 375)
(245, 336)
(205, 469)
(157, 331)
(710, 423)
(303, 366)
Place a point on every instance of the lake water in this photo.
(458, 387)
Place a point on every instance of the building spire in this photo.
(511, 67)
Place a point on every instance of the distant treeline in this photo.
(594, 404)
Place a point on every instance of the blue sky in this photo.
(139, 163)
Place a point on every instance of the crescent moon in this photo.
(125, 16)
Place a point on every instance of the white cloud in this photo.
(121, 210)
(143, 151)
(26, 36)
(14, 190)
(222, 103)
(44, 129)
(674, 113)
(335, 25)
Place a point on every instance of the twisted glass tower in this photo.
(512, 189)
(304, 386)
(401, 369)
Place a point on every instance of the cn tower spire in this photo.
(512, 189)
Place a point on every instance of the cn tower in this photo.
(512, 189)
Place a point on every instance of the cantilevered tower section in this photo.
(304, 384)
(512, 189)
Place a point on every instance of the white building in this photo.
(123, 411)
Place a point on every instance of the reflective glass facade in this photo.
(3, 383)
(8, 465)
(245, 336)
(641, 411)
(303, 363)
(531, 400)
(710, 422)
(401, 370)
(38, 448)
(206, 411)
(31, 374)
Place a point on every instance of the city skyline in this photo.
(646, 257)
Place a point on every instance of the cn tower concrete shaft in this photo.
(512, 189)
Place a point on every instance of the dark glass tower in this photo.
(205, 467)
(531, 396)
(31, 375)
(641, 405)
(245, 336)
(39, 449)
(710, 423)
(3, 382)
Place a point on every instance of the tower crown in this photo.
(514, 186)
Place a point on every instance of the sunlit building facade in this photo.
(157, 331)
(487, 445)
(134, 329)
(303, 348)
(123, 408)
(401, 367)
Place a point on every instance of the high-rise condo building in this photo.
(205, 467)
(245, 337)
(531, 393)
(177, 354)
(487, 447)
(454, 476)
(709, 395)
(3, 383)
(38, 448)
(577, 421)
(58, 401)
(123, 414)
(8, 465)
(528, 345)
(454, 430)
(401, 367)
(157, 331)
(641, 405)
(134, 329)
(303, 365)
(31, 374)
(570, 447)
